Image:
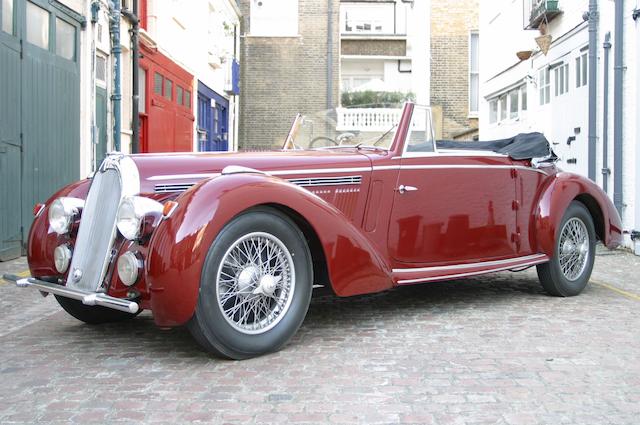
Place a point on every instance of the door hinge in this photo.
(515, 205)
(514, 173)
(21, 49)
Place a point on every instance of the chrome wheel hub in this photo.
(574, 248)
(255, 283)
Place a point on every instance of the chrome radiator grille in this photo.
(92, 250)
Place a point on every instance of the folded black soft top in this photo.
(521, 146)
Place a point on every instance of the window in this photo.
(157, 83)
(168, 88)
(561, 74)
(493, 111)
(544, 85)
(503, 107)
(101, 69)
(474, 73)
(65, 40)
(7, 16)
(353, 82)
(142, 84)
(367, 18)
(513, 103)
(509, 105)
(187, 99)
(523, 98)
(179, 95)
(421, 132)
(581, 70)
(37, 26)
(274, 18)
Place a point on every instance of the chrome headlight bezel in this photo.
(61, 213)
(131, 213)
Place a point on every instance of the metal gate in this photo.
(39, 111)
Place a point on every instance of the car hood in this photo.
(161, 172)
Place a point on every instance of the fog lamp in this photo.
(61, 258)
(129, 266)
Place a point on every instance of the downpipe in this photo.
(116, 51)
(606, 171)
(618, 69)
(593, 87)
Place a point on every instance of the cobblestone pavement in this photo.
(489, 350)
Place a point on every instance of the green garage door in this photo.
(39, 110)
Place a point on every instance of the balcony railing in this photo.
(367, 119)
(540, 11)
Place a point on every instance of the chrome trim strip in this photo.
(183, 176)
(87, 298)
(479, 272)
(239, 169)
(452, 166)
(470, 265)
(351, 170)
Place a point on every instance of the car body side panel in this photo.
(180, 244)
(554, 199)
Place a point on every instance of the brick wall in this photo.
(374, 47)
(450, 25)
(281, 76)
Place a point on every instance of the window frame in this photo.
(544, 85)
(472, 73)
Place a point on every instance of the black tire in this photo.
(93, 315)
(212, 329)
(553, 279)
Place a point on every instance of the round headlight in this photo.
(129, 266)
(61, 258)
(131, 213)
(129, 222)
(61, 213)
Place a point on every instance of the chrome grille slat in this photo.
(118, 177)
(97, 230)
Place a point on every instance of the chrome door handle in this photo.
(403, 189)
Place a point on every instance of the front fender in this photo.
(180, 244)
(554, 201)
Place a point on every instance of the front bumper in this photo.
(87, 298)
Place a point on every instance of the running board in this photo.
(409, 276)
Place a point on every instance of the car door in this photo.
(451, 207)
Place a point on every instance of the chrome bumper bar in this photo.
(87, 298)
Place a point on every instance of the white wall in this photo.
(503, 35)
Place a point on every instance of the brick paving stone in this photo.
(488, 350)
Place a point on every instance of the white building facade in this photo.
(385, 47)
(550, 93)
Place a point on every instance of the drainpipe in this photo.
(605, 114)
(116, 51)
(330, 54)
(135, 84)
(617, 105)
(593, 86)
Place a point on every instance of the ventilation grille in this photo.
(326, 181)
(177, 187)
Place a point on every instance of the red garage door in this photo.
(167, 115)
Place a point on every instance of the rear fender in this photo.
(180, 244)
(554, 200)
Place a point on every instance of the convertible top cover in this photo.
(521, 146)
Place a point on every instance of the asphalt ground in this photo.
(489, 350)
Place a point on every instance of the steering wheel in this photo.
(322, 138)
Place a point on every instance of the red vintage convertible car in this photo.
(232, 244)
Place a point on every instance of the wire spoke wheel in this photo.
(255, 283)
(573, 248)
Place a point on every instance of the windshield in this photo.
(366, 126)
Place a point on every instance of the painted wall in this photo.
(565, 115)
